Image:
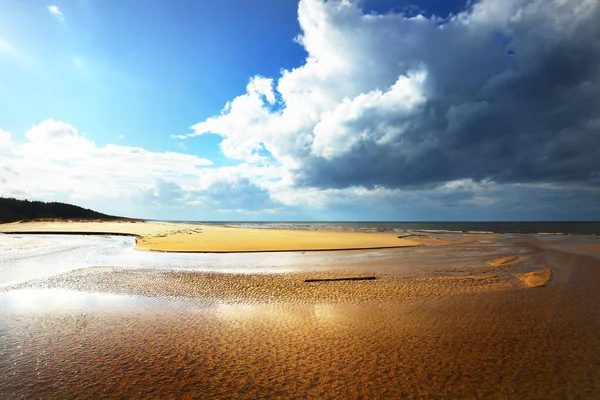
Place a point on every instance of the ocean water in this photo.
(563, 227)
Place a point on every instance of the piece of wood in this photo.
(357, 278)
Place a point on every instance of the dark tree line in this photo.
(12, 210)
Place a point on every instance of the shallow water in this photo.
(28, 257)
(49, 301)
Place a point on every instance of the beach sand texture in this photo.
(521, 321)
(166, 236)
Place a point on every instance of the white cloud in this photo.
(262, 86)
(335, 134)
(57, 162)
(56, 158)
(5, 139)
(55, 11)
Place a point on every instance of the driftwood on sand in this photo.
(356, 278)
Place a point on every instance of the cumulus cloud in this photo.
(57, 158)
(55, 11)
(57, 162)
(507, 91)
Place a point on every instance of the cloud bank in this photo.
(505, 92)
(57, 162)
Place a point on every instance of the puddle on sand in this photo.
(47, 301)
(64, 301)
(27, 257)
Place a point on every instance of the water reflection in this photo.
(63, 300)
(26, 257)
(282, 312)
(328, 312)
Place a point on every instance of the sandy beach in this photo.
(459, 316)
(173, 237)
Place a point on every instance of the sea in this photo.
(548, 227)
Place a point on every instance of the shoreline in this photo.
(170, 237)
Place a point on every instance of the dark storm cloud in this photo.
(527, 111)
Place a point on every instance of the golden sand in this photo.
(256, 336)
(290, 287)
(449, 239)
(166, 236)
(498, 262)
(483, 333)
(536, 278)
(507, 263)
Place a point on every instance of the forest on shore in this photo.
(12, 210)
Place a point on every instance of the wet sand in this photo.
(590, 248)
(24, 257)
(463, 324)
(177, 237)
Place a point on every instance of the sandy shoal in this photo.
(166, 236)
(261, 288)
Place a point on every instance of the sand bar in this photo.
(166, 236)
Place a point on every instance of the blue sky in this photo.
(287, 110)
(108, 66)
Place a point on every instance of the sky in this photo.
(428, 110)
